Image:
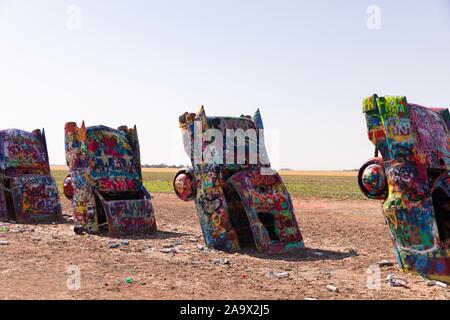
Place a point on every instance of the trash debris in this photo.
(333, 289)
(398, 283)
(193, 240)
(195, 263)
(4, 229)
(125, 242)
(19, 230)
(113, 244)
(168, 250)
(79, 230)
(4, 243)
(385, 263)
(200, 247)
(222, 262)
(128, 280)
(434, 283)
(282, 275)
(310, 299)
(319, 254)
(279, 275)
(148, 248)
(394, 281)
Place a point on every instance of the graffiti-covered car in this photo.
(241, 202)
(28, 192)
(412, 178)
(105, 181)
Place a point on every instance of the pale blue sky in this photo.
(306, 65)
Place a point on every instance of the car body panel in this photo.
(414, 142)
(267, 194)
(106, 177)
(232, 209)
(28, 191)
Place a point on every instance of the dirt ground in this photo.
(343, 239)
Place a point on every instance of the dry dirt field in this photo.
(349, 236)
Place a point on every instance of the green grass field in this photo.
(341, 187)
(328, 187)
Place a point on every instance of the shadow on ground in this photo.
(164, 235)
(306, 254)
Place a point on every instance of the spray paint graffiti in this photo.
(106, 180)
(130, 215)
(28, 193)
(412, 178)
(238, 203)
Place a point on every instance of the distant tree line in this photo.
(162, 165)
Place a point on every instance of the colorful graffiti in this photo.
(266, 196)
(183, 186)
(106, 179)
(23, 152)
(372, 179)
(28, 192)
(130, 215)
(35, 198)
(414, 142)
(3, 203)
(238, 206)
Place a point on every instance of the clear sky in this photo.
(306, 65)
